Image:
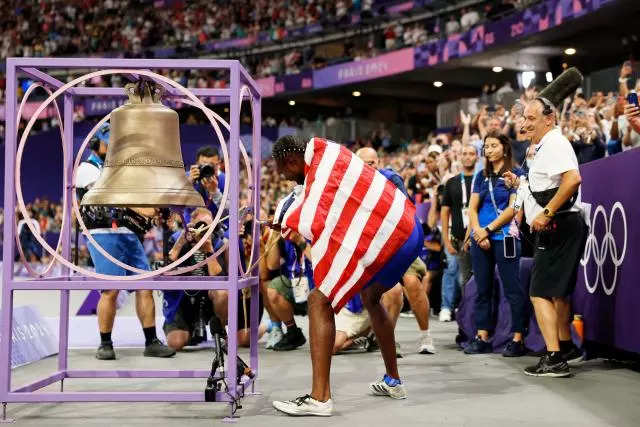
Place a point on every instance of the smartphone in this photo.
(632, 98)
(509, 247)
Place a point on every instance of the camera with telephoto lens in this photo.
(199, 302)
(206, 171)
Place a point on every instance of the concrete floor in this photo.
(447, 389)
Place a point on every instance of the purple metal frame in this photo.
(71, 281)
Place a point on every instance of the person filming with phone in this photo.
(494, 242)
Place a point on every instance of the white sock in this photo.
(425, 333)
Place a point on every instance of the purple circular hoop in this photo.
(23, 259)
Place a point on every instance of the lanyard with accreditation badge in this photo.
(465, 200)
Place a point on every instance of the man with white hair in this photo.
(552, 209)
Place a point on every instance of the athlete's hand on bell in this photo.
(269, 223)
(511, 180)
(540, 222)
(194, 173)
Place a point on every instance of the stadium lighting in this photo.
(569, 51)
(497, 69)
(527, 78)
(549, 76)
(292, 102)
(437, 83)
(356, 93)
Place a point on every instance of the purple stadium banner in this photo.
(101, 106)
(32, 339)
(607, 293)
(400, 7)
(267, 86)
(367, 69)
(294, 82)
(537, 18)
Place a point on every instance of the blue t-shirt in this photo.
(292, 267)
(486, 211)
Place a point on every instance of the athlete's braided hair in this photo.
(287, 145)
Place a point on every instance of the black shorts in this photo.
(556, 257)
(184, 318)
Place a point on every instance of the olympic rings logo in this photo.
(606, 248)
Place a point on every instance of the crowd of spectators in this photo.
(131, 28)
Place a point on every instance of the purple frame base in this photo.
(70, 281)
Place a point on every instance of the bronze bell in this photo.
(143, 166)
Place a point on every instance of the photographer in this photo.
(280, 293)
(186, 312)
(220, 298)
(206, 177)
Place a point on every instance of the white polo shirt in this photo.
(554, 156)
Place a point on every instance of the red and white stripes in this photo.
(355, 218)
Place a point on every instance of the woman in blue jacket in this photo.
(490, 216)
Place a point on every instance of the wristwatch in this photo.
(488, 230)
(548, 213)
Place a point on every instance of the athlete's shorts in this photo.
(282, 284)
(352, 324)
(392, 272)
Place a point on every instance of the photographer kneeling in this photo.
(220, 298)
(187, 312)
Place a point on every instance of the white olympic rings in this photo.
(607, 246)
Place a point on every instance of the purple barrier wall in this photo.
(607, 293)
(501, 312)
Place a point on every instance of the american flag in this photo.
(355, 218)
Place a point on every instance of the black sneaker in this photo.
(293, 339)
(158, 349)
(514, 349)
(105, 351)
(573, 356)
(545, 368)
(478, 346)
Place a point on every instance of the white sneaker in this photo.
(305, 405)
(381, 388)
(425, 344)
(274, 337)
(445, 315)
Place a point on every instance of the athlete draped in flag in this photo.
(364, 236)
